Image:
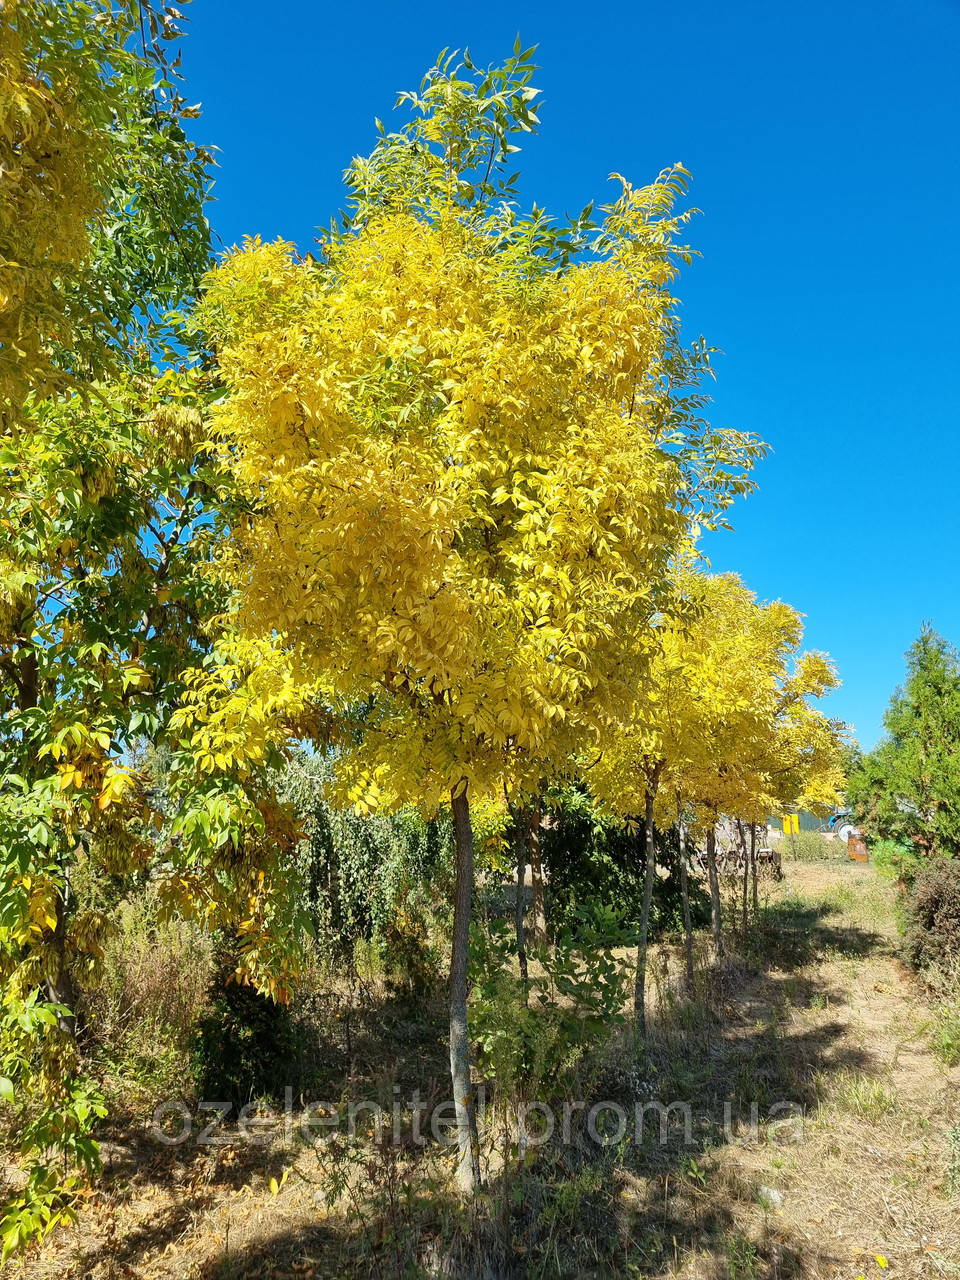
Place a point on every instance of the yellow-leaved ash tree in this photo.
(798, 762)
(752, 741)
(661, 729)
(462, 446)
(726, 726)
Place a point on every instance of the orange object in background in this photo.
(857, 849)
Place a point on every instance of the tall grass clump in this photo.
(151, 995)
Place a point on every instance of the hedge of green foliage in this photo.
(591, 859)
(373, 878)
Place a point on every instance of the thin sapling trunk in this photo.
(746, 876)
(639, 994)
(715, 908)
(685, 896)
(519, 909)
(468, 1142)
(536, 877)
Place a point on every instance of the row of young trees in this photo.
(470, 456)
(429, 499)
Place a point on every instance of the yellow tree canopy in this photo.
(730, 728)
(456, 500)
(803, 758)
(102, 229)
(50, 153)
(761, 742)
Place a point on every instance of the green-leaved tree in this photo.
(908, 788)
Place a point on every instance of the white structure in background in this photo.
(845, 829)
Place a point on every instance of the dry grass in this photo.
(149, 997)
(870, 1178)
(815, 1009)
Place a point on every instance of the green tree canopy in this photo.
(908, 788)
(105, 515)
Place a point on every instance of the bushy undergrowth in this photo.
(245, 1047)
(149, 997)
(932, 916)
(539, 1034)
(811, 846)
(591, 859)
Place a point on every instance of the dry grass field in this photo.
(815, 1011)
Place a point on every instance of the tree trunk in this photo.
(468, 1142)
(59, 983)
(519, 909)
(685, 896)
(746, 876)
(536, 877)
(715, 909)
(639, 992)
(753, 861)
(28, 676)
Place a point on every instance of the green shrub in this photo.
(897, 860)
(533, 1039)
(590, 858)
(811, 846)
(245, 1048)
(932, 915)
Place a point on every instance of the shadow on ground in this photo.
(728, 1068)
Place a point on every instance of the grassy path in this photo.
(870, 1178)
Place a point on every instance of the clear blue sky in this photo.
(823, 141)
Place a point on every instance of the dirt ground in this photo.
(825, 1017)
(866, 1191)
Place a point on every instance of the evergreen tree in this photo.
(908, 788)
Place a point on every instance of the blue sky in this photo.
(823, 141)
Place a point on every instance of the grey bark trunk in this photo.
(639, 993)
(519, 910)
(746, 875)
(468, 1142)
(753, 870)
(536, 877)
(715, 909)
(685, 896)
